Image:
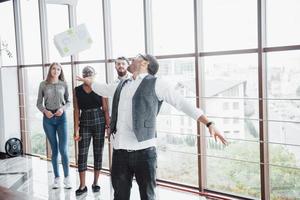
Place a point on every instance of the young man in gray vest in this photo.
(136, 103)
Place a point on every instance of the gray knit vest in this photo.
(145, 107)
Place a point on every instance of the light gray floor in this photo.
(34, 177)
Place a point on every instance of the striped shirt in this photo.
(55, 96)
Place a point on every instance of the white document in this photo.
(73, 41)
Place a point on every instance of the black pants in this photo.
(125, 165)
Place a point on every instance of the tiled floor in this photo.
(34, 177)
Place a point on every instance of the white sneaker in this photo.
(56, 183)
(67, 183)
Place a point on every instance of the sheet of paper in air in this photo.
(73, 40)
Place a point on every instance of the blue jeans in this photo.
(51, 127)
(141, 164)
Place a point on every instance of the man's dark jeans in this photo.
(126, 164)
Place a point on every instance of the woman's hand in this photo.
(76, 135)
(59, 112)
(48, 114)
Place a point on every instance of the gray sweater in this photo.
(55, 96)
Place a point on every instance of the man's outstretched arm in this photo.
(102, 89)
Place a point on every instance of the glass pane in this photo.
(175, 140)
(285, 155)
(230, 24)
(7, 34)
(231, 76)
(240, 150)
(183, 71)
(31, 32)
(70, 118)
(283, 29)
(286, 110)
(173, 20)
(283, 106)
(127, 27)
(228, 82)
(58, 21)
(284, 183)
(236, 117)
(93, 20)
(283, 72)
(284, 132)
(177, 167)
(283, 84)
(34, 118)
(177, 131)
(229, 176)
(231, 90)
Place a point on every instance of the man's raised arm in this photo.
(102, 89)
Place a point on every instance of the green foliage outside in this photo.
(38, 144)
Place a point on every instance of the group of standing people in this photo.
(130, 125)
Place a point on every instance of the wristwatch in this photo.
(209, 123)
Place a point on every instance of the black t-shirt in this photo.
(87, 100)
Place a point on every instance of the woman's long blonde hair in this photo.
(60, 77)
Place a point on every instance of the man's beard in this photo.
(122, 73)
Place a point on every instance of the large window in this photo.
(69, 112)
(284, 125)
(177, 138)
(57, 21)
(230, 91)
(7, 34)
(34, 118)
(127, 27)
(229, 24)
(283, 18)
(94, 23)
(172, 21)
(230, 85)
(227, 70)
(233, 176)
(31, 32)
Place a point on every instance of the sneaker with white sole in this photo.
(67, 183)
(56, 183)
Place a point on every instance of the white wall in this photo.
(9, 106)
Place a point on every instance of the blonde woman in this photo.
(53, 100)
